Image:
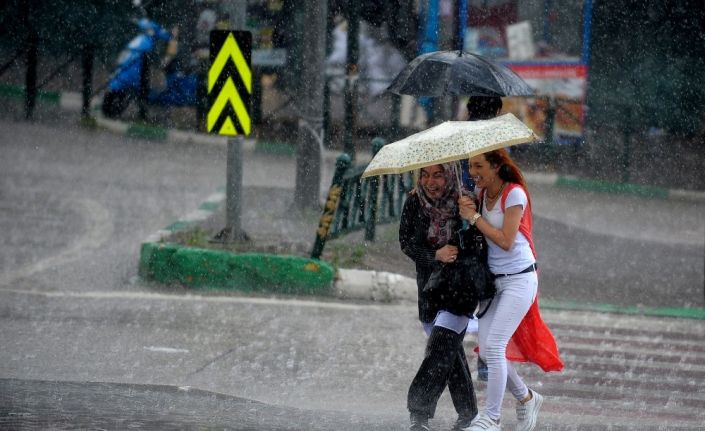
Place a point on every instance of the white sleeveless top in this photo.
(519, 256)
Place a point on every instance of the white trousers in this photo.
(515, 294)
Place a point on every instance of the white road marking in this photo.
(99, 229)
(213, 299)
(165, 349)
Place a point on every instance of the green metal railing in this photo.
(354, 203)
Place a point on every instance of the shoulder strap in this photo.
(505, 193)
(526, 224)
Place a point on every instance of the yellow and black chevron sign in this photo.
(229, 83)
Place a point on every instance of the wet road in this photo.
(619, 249)
(311, 365)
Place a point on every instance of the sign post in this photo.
(229, 114)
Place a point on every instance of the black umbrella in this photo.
(457, 73)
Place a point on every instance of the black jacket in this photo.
(413, 231)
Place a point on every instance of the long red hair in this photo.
(508, 169)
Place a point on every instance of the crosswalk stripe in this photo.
(621, 373)
(668, 357)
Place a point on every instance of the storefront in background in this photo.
(547, 44)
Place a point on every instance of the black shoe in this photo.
(419, 423)
(462, 422)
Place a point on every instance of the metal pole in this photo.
(462, 23)
(550, 122)
(31, 74)
(233, 170)
(330, 24)
(373, 198)
(30, 51)
(395, 131)
(429, 43)
(350, 89)
(547, 30)
(233, 191)
(87, 64)
(587, 32)
(626, 148)
(144, 87)
(237, 11)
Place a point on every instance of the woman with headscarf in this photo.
(428, 222)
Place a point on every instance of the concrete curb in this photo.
(165, 262)
(374, 285)
(649, 192)
(249, 272)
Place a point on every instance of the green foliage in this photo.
(197, 238)
(65, 26)
(88, 122)
(343, 255)
(646, 66)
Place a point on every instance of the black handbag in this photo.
(460, 286)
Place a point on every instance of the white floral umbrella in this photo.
(449, 141)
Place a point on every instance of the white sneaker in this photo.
(483, 422)
(528, 412)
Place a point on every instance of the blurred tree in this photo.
(65, 26)
(649, 56)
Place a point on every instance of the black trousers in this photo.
(444, 364)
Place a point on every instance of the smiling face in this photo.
(482, 172)
(433, 181)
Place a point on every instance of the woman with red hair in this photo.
(512, 328)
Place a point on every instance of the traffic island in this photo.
(249, 272)
(184, 253)
(276, 258)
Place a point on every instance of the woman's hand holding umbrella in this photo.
(467, 207)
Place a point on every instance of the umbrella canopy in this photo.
(457, 73)
(449, 141)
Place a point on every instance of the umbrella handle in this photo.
(458, 177)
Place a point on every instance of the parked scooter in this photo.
(124, 84)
